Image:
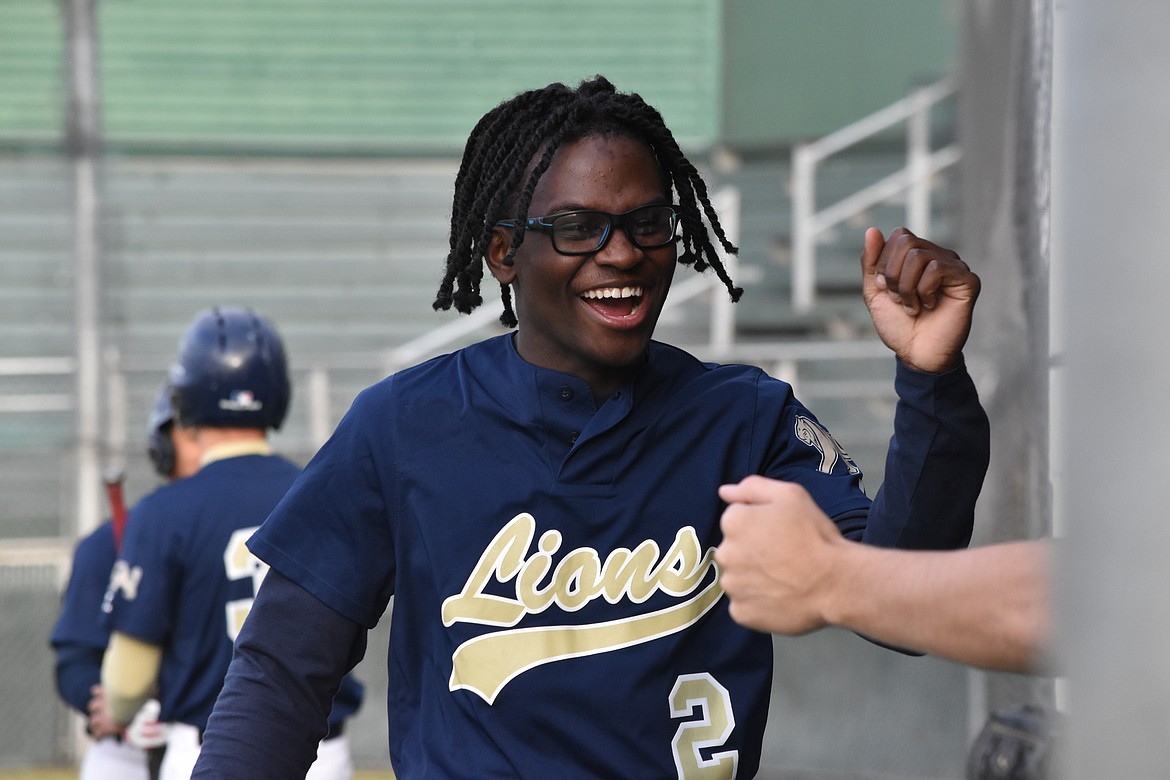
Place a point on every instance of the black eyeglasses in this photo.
(586, 232)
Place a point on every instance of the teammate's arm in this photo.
(78, 638)
(787, 570)
(77, 669)
(129, 673)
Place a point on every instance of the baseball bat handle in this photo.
(113, 478)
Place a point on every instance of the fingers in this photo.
(96, 700)
(874, 241)
(757, 490)
(757, 501)
(915, 272)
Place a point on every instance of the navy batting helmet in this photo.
(159, 446)
(231, 372)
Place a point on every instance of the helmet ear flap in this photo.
(159, 445)
(175, 404)
(162, 453)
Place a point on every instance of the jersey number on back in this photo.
(239, 563)
(712, 721)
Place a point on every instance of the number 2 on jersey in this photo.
(239, 563)
(702, 697)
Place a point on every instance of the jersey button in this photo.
(566, 393)
(573, 437)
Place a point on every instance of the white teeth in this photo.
(614, 292)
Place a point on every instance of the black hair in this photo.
(505, 143)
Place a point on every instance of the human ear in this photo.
(497, 255)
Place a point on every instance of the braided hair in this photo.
(502, 150)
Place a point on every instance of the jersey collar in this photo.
(235, 450)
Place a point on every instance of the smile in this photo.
(615, 303)
(613, 292)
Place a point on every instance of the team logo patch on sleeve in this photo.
(814, 435)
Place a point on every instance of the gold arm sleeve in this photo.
(129, 671)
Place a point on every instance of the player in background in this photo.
(787, 569)
(185, 580)
(543, 506)
(79, 637)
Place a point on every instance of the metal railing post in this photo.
(727, 202)
(118, 407)
(912, 182)
(84, 138)
(320, 426)
(918, 164)
(803, 230)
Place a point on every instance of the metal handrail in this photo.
(914, 179)
(14, 403)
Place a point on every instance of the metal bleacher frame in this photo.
(913, 180)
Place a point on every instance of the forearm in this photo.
(986, 607)
(935, 465)
(129, 673)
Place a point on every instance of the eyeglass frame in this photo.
(544, 225)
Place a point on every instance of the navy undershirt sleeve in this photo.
(935, 464)
(288, 664)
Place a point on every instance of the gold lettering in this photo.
(503, 557)
(577, 579)
(486, 663)
(681, 568)
(628, 573)
(528, 584)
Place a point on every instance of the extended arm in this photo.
(787, 570)
(921, 298)
(289, 660)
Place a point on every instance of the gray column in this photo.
(1111, 206)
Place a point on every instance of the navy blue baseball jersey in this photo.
(557, 608)
(185, 579)
(80, 636)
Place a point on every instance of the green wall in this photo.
(352, 75)
(413, 76)
(32, 93)
(795, 69)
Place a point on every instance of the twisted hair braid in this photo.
(522, 135)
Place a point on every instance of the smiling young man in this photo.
(590, 311)
(543, 506)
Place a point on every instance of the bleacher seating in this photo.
(345, 257)
(36, 294)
